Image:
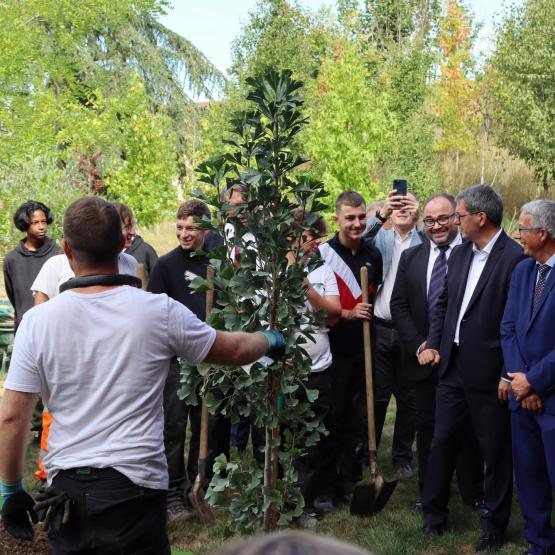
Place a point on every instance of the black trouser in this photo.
(176, 414)
(316, 465)
(470, 463)
(491, 421)
(110, 515)
(349, 431)
(389, 378)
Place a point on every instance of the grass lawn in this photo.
(394, 531)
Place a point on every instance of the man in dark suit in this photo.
(528, 343)
(464, 341)
(419, 281)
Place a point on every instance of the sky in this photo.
(211, 25)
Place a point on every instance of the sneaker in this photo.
(177, 512)
(307, 521)
(404, 471)
(323, 505)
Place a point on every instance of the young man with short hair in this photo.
(172, 274)
(346, 253)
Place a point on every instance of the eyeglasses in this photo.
(441, 220)
(521, 229)
(459, 216)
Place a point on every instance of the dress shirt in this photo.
(476, 268)
(434, 253)
(400, 244)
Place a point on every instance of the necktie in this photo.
(543, 270)
(437, 278)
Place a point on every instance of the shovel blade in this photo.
(201, 507)
(369, 499)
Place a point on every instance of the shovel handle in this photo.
(368, 375)
(203, 444)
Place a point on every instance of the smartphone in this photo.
(401, 186)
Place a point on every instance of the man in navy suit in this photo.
(528, 341)
(465, 342)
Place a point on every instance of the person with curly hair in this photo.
(23, 263)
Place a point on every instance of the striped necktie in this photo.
(543, 270)
(437, 278)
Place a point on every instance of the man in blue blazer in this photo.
(528, 341)
(465, 342)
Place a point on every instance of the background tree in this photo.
(522, 70)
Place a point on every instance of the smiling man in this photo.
(419, 282)
(346, 253)
(172, 274)
(529, 352)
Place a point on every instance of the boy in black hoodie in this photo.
(22, 265)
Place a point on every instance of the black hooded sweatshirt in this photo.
(143, 253)
(21, 267)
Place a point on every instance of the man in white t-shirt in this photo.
(316, 469)
(103, 385)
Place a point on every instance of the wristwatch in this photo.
(379, 217)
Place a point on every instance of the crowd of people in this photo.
(462, 336)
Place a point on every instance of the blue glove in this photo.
(17, 508)
(276, 343)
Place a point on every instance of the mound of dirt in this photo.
(11, 546)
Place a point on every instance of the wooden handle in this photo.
(368, 375)
(203, 446)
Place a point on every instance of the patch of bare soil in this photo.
(9, 545)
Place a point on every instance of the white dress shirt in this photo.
(400, 244)
(476, 268)
(434, 253)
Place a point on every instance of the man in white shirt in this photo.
(103, 385)
(419, 282)
(389, 375)
(464, 341)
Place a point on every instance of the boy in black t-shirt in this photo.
(172, 274)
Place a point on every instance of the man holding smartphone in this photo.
(401, 208)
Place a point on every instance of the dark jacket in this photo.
(21, 267)
(409, 307)
(143, 253)
(529, 339)
(480, 356)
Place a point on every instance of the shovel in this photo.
(196, 495)
(370, 498)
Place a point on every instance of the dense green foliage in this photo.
(262, 292)
(522, 79)
(96, 88)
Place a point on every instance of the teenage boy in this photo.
(172, 275)
(346, 253)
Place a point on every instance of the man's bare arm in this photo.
(40, 297)
(237, 348)
(16, 409)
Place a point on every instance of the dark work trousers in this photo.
(470, 463)
(348, 423)
(176, 414)
(389, 378)
(316, 465)
(490, 418)
(110, 515)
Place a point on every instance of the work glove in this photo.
(276, 343)
(16, 511)
(53, 508)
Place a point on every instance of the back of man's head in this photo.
(92, 229)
